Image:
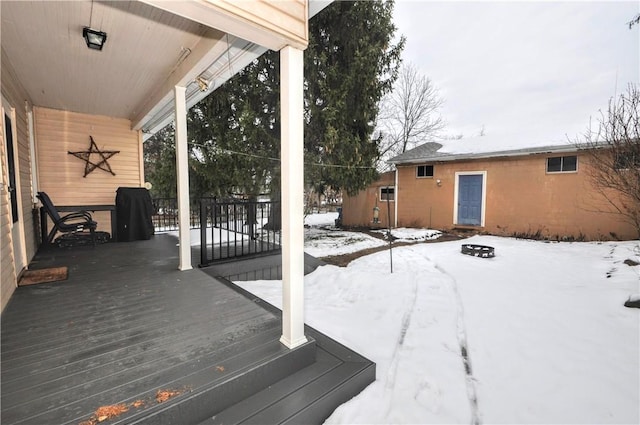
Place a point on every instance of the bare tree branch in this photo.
(613, 149)
(409, 115)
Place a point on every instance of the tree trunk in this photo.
(275, 215)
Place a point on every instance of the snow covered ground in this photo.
(322, 239)
(543, 324)
(320, 243)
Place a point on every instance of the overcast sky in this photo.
(533, 69)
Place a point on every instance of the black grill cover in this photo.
(134, 210)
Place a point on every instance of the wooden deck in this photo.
(127, 324)
(233, 250)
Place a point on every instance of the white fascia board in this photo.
(212, 16)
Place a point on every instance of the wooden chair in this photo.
(70, 223)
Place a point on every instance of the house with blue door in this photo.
(496, 185)
(469, 201)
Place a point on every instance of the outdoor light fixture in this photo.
(205, 80)
(95, 39)
(203, 84)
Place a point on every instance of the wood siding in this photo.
(15, 94)
(61, 174)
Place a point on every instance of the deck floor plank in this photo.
(125, 323)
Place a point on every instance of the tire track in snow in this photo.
(406, 322)
(461, 334)
(390, 380)
(472, 393)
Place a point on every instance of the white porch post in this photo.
(182, 169)
(292, 156)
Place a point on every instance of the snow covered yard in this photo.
(322, 238)
(543, 324)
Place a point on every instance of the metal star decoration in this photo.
(103, 157)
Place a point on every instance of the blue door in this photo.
(470, 199)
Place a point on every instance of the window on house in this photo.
(388, 193)
(424, 171)
(562, 164)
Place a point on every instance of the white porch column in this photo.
(292, 157)
(182, 169)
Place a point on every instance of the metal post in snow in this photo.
(389, 229)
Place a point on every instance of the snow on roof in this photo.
(482, 147)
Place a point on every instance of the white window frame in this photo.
(19, 258)
(387, 187)
(546, 165)
(35, 182)
(484, 195)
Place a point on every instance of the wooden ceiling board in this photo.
(43, 41)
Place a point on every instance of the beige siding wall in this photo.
(357, 211)
(61, 174)
(15, 95)
(520, 198)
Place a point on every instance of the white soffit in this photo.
(227, 62)
(238, 54)
(43, 42)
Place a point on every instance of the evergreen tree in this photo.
(349, 65)
(160, 163)
(235, 133)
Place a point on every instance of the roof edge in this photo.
(449, 157)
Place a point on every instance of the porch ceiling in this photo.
(148, 51)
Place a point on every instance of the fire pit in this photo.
(482, 251)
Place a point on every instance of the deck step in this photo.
(213, 394)
(206, 384)
(308, 396)
(265, 267)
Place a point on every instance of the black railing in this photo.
(233, 228)
(236, 229)
(165, 217)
